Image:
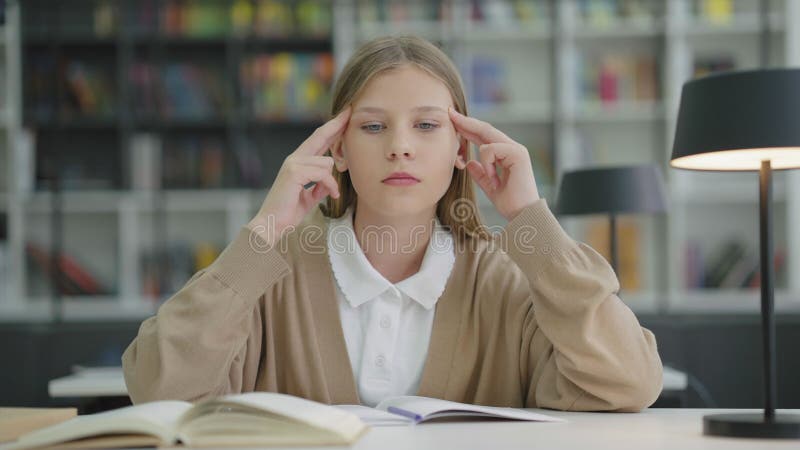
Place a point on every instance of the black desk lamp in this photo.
(746, 121)
(612, 191)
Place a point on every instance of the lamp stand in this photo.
(769, 424)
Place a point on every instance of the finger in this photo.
(478, 173)
(316, 161)
(324, 136)
(321, 177)
(477, 130)
(488, 159)
(503, 154)
(319, 193)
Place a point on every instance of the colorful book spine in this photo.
(287, 86)
(182, 91)
(612, 78)
(194, 162)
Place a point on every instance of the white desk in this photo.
(653, 429)
(90, 382)
(109, 382)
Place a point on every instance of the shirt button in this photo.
(380, 361)
(386, 322)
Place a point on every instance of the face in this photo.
(400, 123)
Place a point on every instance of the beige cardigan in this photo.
(534, 324)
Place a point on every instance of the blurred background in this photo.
(138, 136)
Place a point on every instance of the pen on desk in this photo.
(405, 413)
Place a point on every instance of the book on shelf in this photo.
(611, 78)
(740, 270)
(249, 164)
(779, 270)
(598, 236)
(193, 162)
(722, 261)
(287, 85)
(177, 90)
(716, 12)
(105, 14)
(73, 277)
(255, 419)
(708, 64)
(733, 264)
(194, 19)
(192, 91)
(488, 81)
(693, 265)
(165, 272)
(398, 11)
(89, 90)
(605, 13)
(509, 13)
(263, 18)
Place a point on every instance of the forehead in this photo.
(406, 89)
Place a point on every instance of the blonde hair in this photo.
(457, 209)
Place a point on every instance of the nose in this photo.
(400, 147)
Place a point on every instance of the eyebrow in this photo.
(374, 109)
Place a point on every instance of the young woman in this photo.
(395, 287)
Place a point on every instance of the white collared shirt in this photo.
(387, 327)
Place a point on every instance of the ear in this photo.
(461, 153)
(338, 153)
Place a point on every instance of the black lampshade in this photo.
(734, 120)
(618, 190)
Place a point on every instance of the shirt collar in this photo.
(360, 282)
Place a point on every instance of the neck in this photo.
(394, 245)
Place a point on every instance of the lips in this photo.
(401, 178)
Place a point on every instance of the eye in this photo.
(372, 127)
(428, 125)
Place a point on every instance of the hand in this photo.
(288, 200)
(515, 187)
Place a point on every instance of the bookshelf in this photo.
(598, 83)
(166, 125)
(152, 128)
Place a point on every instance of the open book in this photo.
(409, 409)
(251, 419)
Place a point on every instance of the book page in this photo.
(155, 419)
(311, 413)
(376, 417)
(423, 408)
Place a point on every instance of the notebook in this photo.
(409, 409)
(244, 420)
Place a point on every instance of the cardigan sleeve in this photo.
(583, 348)
(206, 339)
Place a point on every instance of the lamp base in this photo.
(752, 425)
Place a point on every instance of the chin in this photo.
(401, 207)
